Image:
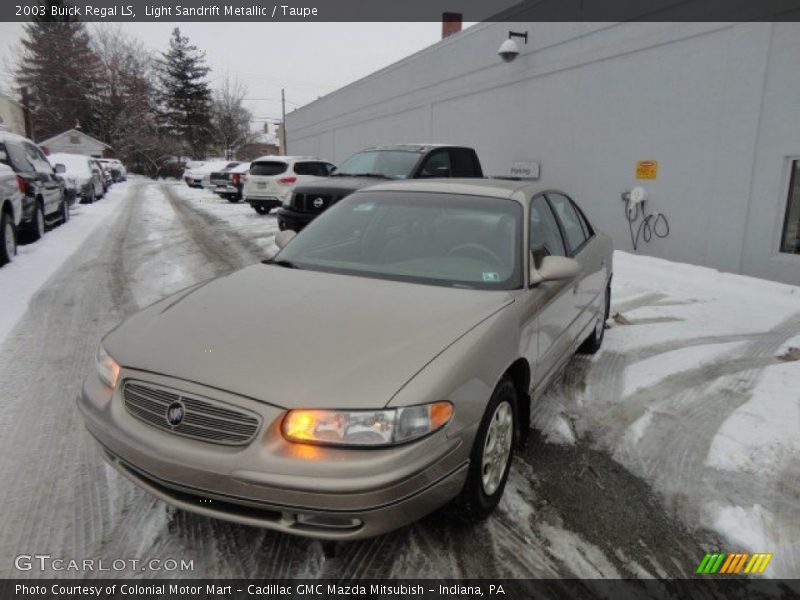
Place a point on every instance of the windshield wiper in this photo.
(287, 264)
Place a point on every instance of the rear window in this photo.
(272, 167)
(319, 169)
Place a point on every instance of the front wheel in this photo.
(233, 198)
(490, 460)
(64, 211)
(261, 209)
(8, 239)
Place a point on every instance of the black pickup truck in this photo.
(372, 165)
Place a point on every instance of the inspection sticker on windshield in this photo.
(490, 276)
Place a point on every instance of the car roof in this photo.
(279, 157)
(497, 188)
(9, 136)
(418, 148)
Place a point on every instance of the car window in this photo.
(587, 229)
(396, 164)
(19, 159)
(268, 168)
(6, 158)
(318, 169)
(437, 165)
(37, 159)
(569, 220)
(462, 163)
(545, 236)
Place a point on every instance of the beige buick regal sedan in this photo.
(382, 365)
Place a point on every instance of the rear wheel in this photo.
(490, 460)
(35, 229)
(261, 209)
(592, 344)
(8, 239)
(233, 198)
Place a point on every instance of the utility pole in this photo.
(26, 112)
(283, 122)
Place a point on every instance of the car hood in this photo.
(298, 338)
(338, 185)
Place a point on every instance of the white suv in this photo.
(272, 179)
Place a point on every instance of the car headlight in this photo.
(365, 428)
(107, 367)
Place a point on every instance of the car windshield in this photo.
(394, 164)
(429, 238)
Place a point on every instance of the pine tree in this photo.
(185, 95)
(60, 70)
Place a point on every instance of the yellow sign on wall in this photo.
(647, 169)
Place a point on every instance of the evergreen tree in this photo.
(185, 95)
(60, 70)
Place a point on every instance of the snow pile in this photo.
(695, 390)
(35, 263)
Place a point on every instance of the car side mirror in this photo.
(59, 168)
(554, 268)
(284, 237)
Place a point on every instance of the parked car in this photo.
(370, 166)
(195, 175)
(105, 174)
(81, 175)
(188, 173)
(272, 179)
(44, 200)
(115, 167)
(228, 183)
(417, 321)
(10, 213)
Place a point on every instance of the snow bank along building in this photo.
(704, 116)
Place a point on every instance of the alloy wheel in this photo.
(40, 221)
(497, 447)
(11, 242)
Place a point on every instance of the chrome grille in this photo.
(202, 419)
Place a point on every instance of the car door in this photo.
(52, 189)
(549, 306)
(580, 240)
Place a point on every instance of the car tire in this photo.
(36, 228)
(592, 343)
(64, 211)
(490, 459)
(261, 209)
(8, 239)
(233, 199)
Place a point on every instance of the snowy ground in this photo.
(679, 437)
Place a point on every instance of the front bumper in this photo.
(289, 218)
(327, 493)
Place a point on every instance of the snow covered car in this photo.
(10, 213)
(81, 175)
(195, 175)
(115, 167)
(456, 302)
(273, 178)
(228, 183)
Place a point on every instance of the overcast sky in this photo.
(308, 59)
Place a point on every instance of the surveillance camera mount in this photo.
(513, 34)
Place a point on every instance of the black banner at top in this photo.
(400, 10)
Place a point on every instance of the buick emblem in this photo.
(175, 413)
(318, 202)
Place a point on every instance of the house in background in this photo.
(262, 144)
(74, 141)
(12, 115)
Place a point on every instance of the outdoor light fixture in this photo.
(509, 49)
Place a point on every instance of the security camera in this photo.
(508, 50)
